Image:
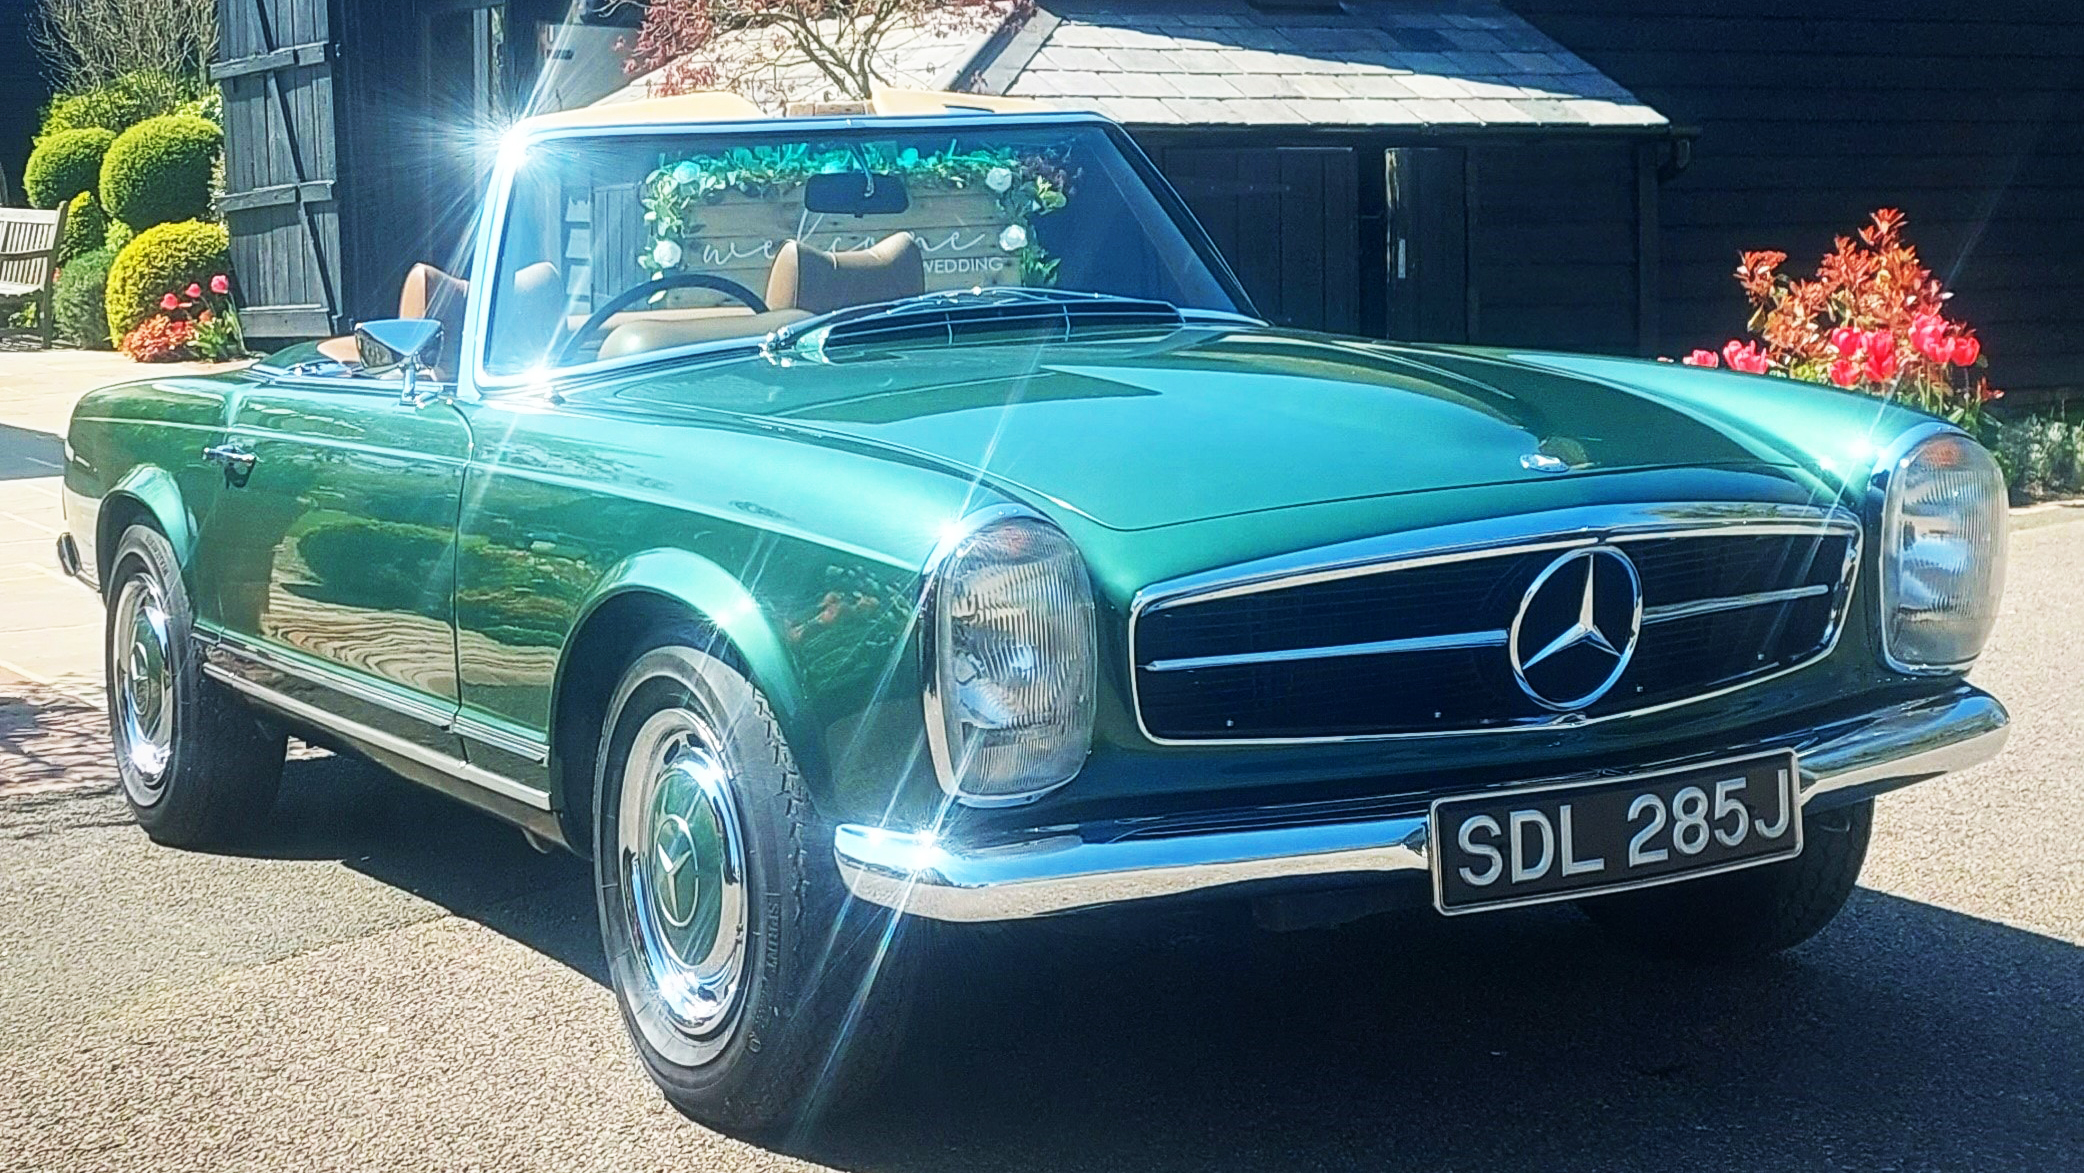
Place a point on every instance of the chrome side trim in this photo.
(386, 742)
(438, 716)
(1380, 647)
(1059, 870)
(1561, 529)
(1731, 603)
(520, 745)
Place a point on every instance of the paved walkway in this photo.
(50, 628)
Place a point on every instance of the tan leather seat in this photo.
(531, 318)
(431, 293)
(818, 282)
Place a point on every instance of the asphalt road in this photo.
(396, 983)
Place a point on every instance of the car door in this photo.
(326, 565)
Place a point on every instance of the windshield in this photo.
(623, 245)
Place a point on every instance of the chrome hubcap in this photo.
(682, 865)
(142, 671)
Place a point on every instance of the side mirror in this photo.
(411, 345)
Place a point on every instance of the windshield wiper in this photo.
(982, 307)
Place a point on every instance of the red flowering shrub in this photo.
(1870, 320)
(194, 325)
(159, 339)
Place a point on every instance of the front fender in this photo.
(146, 488)
(720, 599)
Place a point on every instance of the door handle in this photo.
(238, 463)
(230, 456)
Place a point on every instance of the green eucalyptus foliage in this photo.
(158, 171)
(65, 164)
(78, 304)
(1025, 184)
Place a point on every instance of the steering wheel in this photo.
(647, 289)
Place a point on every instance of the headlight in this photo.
(1943, 526)
(1010, 646)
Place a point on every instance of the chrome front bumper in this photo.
(1065, 870)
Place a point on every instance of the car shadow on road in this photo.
(26, 454)
(339, 807)
(1905, 1037)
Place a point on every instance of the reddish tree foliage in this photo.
(742, 45)
(1870, 320)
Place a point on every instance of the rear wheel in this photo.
(753, 990)
(198, 768)
(1749, 914)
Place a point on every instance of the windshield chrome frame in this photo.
(491, 231)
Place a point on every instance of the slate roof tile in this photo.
(1412, 62)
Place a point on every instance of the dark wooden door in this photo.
(1288, 220)
(276, 67)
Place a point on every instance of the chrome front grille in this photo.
(1434, 641)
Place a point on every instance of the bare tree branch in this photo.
(752, 46)
(89, 42)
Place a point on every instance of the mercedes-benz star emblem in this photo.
(1576, 628)
(673, 843)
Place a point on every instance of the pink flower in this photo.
(220, 284)
(1881, 342)
(1702, 358)
(1845, 372)
(194, 290)
(1846, 341)
(170, 302)
(1965, 351)
(1881, 367)
(1745, 357)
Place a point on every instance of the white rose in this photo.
(666, 253)
(1014, 238)
(998, 179)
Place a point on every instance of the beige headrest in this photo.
(818, 282)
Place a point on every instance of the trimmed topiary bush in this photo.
(114, 106)
(157, 261)
(79, 304)
(158, 171)
(117, 236)
(86, 227)
(65, 164)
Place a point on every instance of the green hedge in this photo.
(115, 106)
(65, 164)
(117, 236)
(86, 227)
(159, 260)
(158, 171)
(79, 304)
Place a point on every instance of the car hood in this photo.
(1214, 422)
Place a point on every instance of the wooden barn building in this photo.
(1557, 173)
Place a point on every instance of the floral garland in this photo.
(1025, 186)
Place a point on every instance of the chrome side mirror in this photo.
(411, 345)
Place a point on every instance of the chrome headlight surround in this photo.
(1942, 527)
(1010, 658)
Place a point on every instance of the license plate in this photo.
(1560, 842)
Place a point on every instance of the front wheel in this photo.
(198, 768)
(750, 986)
(1749, 914)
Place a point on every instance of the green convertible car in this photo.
(833, 525)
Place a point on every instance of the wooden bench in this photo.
(29, 258)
